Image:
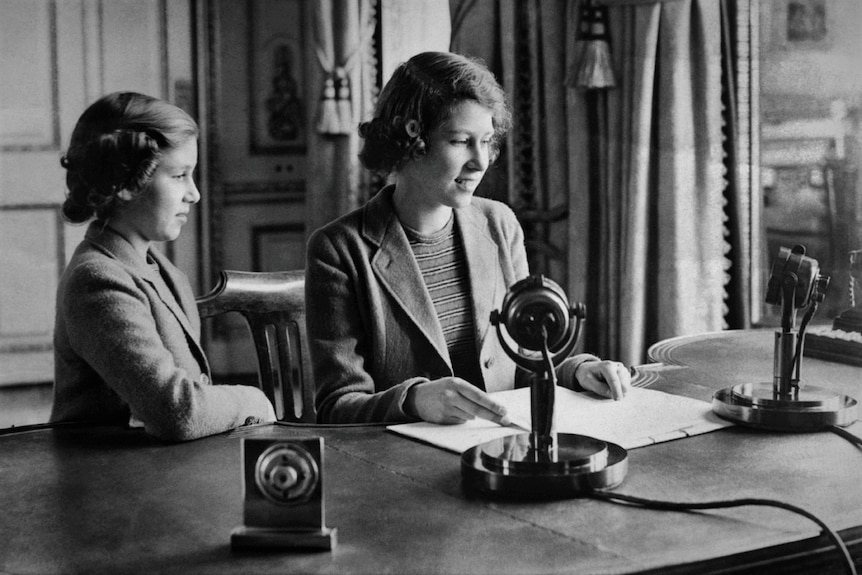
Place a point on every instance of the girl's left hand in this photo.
(606, 378)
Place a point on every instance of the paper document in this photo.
(644, 417)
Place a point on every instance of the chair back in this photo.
(273, 304)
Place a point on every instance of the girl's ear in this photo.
(125, 195)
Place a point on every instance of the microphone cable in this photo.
(841, 432)
(847, 560)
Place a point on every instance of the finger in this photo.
(475, 396)
(496, 414)
(454, 419)
(469, 411)
(625, 378)
(612, 379)
(455, 415)
(479, 404)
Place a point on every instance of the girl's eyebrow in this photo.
(174, 166)
(465, 131)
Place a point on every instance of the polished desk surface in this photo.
(98, 499)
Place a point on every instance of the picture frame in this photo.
(278, 247)
(802, 24)
(276, 82)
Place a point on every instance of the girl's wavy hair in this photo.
(117, 145)
(418, 98)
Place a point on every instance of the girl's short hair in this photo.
(117, 145)
(419, 98)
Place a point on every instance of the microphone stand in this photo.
(543, 437)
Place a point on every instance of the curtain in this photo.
(357, 44)
(533, 59)
(622, 192)
(734, 74)
(345, 77)
(665, 178)
(542, 171)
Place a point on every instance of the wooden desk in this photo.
(98, 499)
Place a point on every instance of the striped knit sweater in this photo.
(443, 265)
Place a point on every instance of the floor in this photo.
(25, 404)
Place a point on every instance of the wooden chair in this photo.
(273, 304)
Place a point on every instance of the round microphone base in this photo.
(810, 409)
(510, 467)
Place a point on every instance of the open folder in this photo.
(643, 418)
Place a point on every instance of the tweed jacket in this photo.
(373, 331)
(124, 347)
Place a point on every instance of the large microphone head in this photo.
(794, 266)
(532, 305)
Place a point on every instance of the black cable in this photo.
(800, 338)
(840, 431)
(721, 504)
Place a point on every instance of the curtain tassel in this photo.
(592, 68)
(343, 101)
(327, 121)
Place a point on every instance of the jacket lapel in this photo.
(177, 300)
(397, 271)
(483, 265)
(117, 246)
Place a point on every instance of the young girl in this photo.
(399, 293)
(126, 340)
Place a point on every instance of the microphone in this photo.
(784, 404)
(537, 317)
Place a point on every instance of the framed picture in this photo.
(802, 24)
(276, 77)
(278, 247)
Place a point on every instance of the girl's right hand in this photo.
(451, 400)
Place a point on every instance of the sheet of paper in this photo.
(644, 417)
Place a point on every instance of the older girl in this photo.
(399, 293)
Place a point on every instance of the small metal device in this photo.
(842, 342)
(851, 320)
(785, 404)
(542, 463)
(283, 489)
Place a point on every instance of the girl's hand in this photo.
(606, 378)
(452, 400)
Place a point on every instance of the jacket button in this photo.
(204, 379)
(489, 362)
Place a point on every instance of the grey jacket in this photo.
(123, 347)
(373, 331)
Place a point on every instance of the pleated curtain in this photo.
(349, 68)
(343, 33)
(638, 168)
(665, 269)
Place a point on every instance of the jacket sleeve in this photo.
(111, 325)
(338, 317)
